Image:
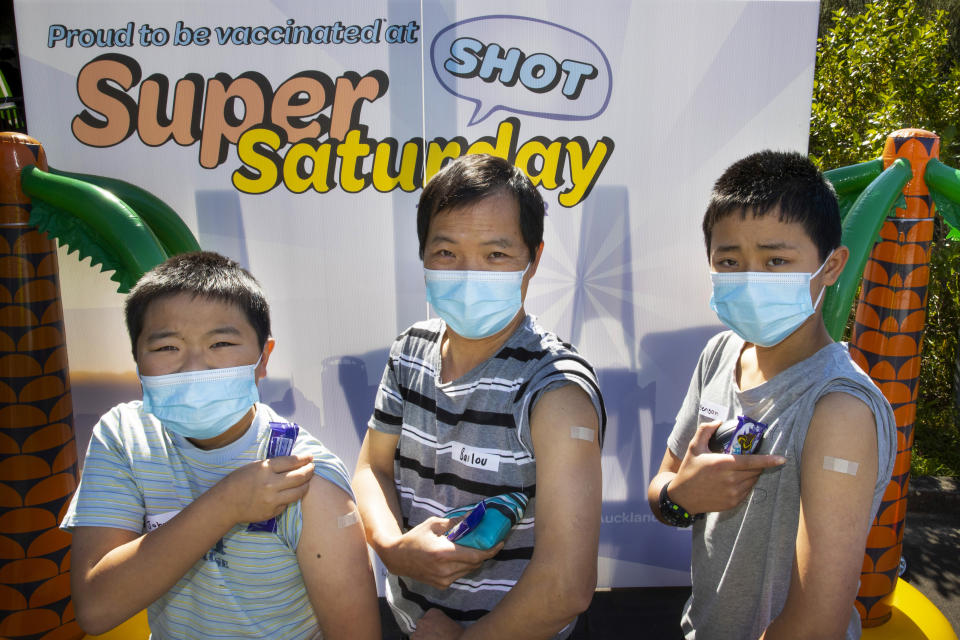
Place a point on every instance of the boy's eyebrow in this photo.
(768, 246)
(727, 247)
(228, 329)
(163, 334)
(160, 335)
(776, 246)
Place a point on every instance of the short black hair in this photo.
(785, 180)
(471, 178)
(202, 274)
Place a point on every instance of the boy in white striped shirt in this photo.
(160, 518)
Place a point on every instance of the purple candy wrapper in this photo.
(469, 523)
(282, 437)
(746, 437)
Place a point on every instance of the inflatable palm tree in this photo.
(888, 207)
(122, 229)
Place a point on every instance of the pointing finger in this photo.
(281, 464)
(757, 462)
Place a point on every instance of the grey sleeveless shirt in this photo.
(742, 558)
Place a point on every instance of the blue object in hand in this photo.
(497, 517)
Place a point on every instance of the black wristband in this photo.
(673, 513)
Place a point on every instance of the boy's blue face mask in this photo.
(761, 307)
(475, 304)
(201, 404)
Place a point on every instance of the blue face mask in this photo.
(201, 404)
(475, 304)
(763, 308)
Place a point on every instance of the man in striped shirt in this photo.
(479, 402)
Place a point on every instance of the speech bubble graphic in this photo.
(522, 65)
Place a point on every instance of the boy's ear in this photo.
(261, 371)
(834, 265)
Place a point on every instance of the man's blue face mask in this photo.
(762, 307)
(475, 304)
(201, 404)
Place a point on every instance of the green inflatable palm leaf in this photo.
(849, 182)
(861, 228)
(944, 185)
(93, 222)
(170, 230)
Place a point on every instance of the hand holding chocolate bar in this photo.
(258, 491)
(709, 482)
(282, 437)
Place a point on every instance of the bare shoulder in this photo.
(325, 497)
(842, 419)
(840, 450)
(562, 409)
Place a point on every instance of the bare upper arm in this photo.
(568, 480)
(838, 469)
(837, 478)
(333, 558)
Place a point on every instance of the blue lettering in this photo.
(539, 73)
(56, 33)
(465, 57)
(505, 67)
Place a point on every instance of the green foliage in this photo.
(886, 68)
(937, 437)
(881, 67)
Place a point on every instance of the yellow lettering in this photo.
(549, 174)
(383, 164)
(296, 176)
(436, 154)
(583, 175)
(350, 150)
(506, 140)
(257, 149)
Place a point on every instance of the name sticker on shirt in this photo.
(154, 522)
(486, 459)
(712, 411)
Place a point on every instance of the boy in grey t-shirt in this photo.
(779, 535)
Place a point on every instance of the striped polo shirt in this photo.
(138, 475)
(466, 440)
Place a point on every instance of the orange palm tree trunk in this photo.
(38, 454)
(886, 343)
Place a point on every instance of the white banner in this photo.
(295, 137)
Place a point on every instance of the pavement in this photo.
(931, 548)
(931, 543)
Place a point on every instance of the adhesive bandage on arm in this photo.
(347, 520)
(840, 465)
(581, 433)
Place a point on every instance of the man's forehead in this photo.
(493, 219)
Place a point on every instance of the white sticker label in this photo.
(488, 459)
(347, 520)
(840, 465)
(153, 522)
(712, 411)
(581, 433)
